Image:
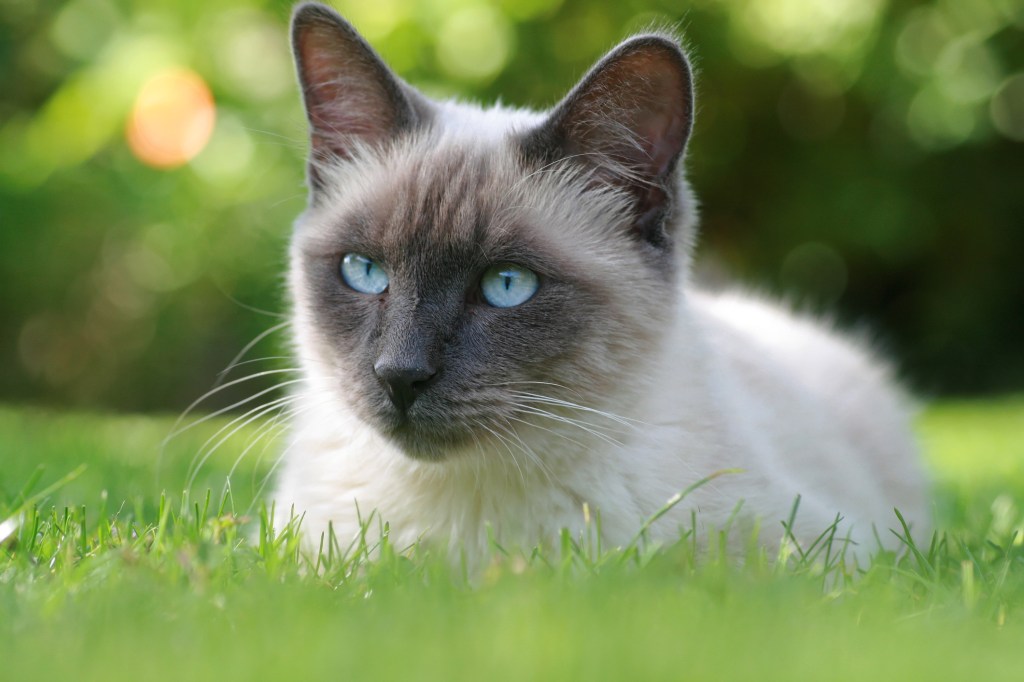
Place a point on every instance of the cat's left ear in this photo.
(352, 98)
(629, 120)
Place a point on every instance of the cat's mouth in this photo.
(422, 435)
(438, 426)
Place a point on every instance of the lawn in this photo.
(107, 571)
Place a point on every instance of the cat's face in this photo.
(457, 270)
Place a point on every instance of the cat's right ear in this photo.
(352, 98)
(628, 121)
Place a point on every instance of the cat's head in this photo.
(459, 271)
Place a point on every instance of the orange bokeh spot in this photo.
(172, 119)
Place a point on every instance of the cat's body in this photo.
(615, 383)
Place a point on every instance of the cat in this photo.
(497, 328)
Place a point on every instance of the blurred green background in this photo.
(860, 156)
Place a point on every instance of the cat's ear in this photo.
(352, 98)
(629, 120)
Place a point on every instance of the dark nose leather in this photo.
(403, 384)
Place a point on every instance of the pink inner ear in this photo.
(662, 140)
(645, 90)
(655, 89)
(346, 100)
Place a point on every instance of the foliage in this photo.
(195, 586)
(857, 153)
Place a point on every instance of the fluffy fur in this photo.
(617, 386)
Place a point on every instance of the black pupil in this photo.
(508, 282)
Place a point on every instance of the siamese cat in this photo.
(496, 326)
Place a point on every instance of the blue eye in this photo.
(362, 274)
(507, 285)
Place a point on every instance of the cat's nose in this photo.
(403, 384)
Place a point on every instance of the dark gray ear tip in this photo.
(655, 44)
(657, 52)
(312, 14)
(653, 40)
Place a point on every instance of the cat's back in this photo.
(837, 419)
(834, 366)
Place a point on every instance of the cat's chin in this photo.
(426, 445)
(425, 434)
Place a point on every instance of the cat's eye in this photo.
(506, 285)
(363, 274)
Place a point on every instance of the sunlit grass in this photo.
(103, 576)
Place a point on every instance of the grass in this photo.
(111, 573)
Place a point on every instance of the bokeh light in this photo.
(172, 119)
(1007, 109)
(250, 58)
(475, 43)
(82, 27)
(816, 270)
(936, 120)
(786, 28)
(228, 156)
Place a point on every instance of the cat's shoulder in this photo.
(755, 328)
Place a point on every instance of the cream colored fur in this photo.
(733, 382)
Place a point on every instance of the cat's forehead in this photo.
(450, 193)
(449, 197)
(444, 200)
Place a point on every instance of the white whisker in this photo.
(547, 430)
(205, 452)
(283, 421)
(245, 349)
(533, 397)
(589, 428)
(265, 358)
(505, 441)
(528, 451)
(295, 439)
(175, 431)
